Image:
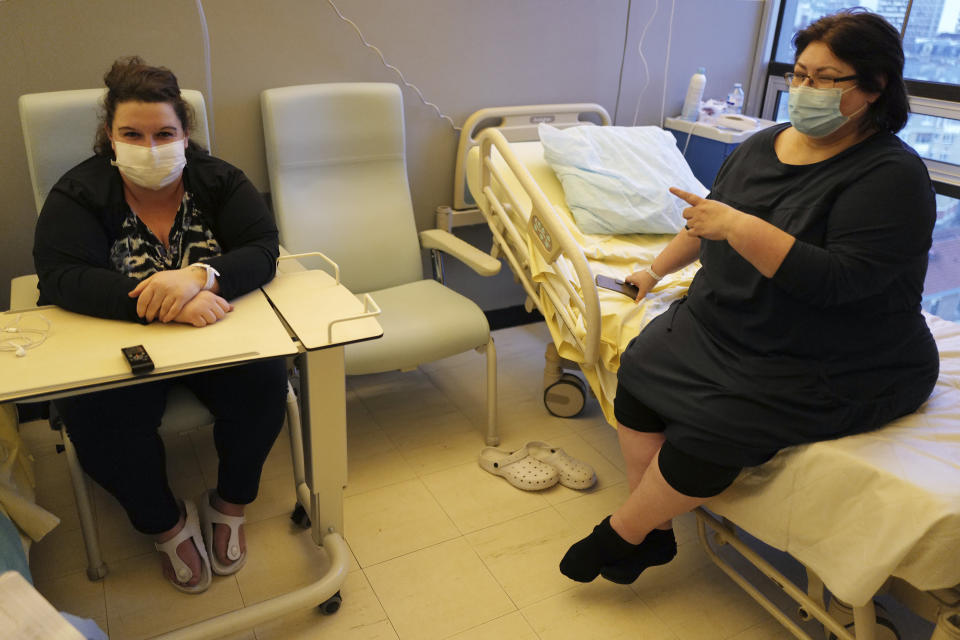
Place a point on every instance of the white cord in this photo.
(643, 60)
(206, 58)
(666, 69)
(19, 343)
(390, 66)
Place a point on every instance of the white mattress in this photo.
(862, 508)
(854, 510)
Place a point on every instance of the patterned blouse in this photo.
(138, 253)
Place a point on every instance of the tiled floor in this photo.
(441, 549)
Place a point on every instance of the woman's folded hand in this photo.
(163, 295)
(205, 308)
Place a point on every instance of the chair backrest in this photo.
(338, 179)
(59, 128)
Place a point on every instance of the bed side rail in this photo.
(518, 124)
(551, 239)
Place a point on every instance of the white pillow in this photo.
(615, 179)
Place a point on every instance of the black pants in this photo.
(115, 435)
(688, 474)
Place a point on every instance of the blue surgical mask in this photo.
(816, 112)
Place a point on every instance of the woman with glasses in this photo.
(804, 322)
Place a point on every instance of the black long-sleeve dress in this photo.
(833, 344)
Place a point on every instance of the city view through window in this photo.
(931, 44)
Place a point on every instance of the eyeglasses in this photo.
(819, 82)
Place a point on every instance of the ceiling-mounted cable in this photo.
(391, 67)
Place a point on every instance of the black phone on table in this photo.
(620, 286)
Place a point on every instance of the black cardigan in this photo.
(82, 216)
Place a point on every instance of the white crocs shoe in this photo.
(574, 473)
(518, 468)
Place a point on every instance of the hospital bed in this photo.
(873, 513)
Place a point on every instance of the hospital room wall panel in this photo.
(464, 55)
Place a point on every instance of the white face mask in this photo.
(150, 167)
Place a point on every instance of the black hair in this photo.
(873, 47)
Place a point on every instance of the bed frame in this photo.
(493, 129)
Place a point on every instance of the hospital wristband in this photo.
(211, 274)
(653, 274)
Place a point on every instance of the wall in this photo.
(463, 54)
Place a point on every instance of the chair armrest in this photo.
(23, 292)
(441, 240)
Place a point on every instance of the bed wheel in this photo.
(566, 397)
(300, 517)
(331, 605)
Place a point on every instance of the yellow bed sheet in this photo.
(613, 255)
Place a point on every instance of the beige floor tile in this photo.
(673, 591)
(526, 419)
(141, 603)
(512, 626)
(449, 450)
(277, 496)
(585, 511)
(388, 522)
(474, 498)
(60, 553)
(437, 592)
(603, 438)
(360, 618)
(75, 594)
(54, 487)
(282, 557)
(429, 428)
(600, 610)
(359, 418)
(366, 442)
(523, 555)
(465, 384)
(377, 471)
(771, 630)
(404, 397)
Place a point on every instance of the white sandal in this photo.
(518, 468)
(183, 574)
(210, 516)
(574, 473)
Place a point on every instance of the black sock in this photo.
(659, 547)
(601, 548)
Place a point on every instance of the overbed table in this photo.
(305, 314)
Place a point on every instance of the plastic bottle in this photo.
(691, 104)
(735, 99)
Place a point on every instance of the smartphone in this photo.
(619, 286)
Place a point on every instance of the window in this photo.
(941, 290)
(931, 45)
